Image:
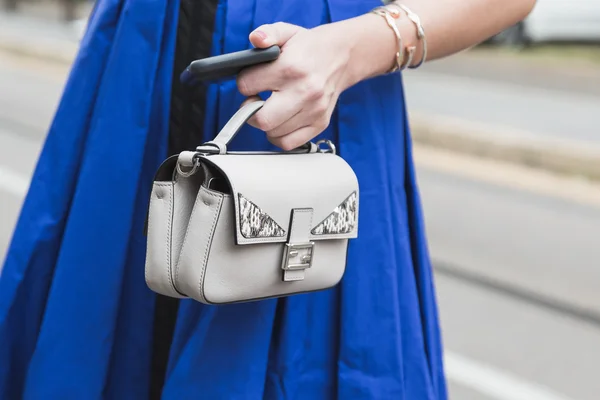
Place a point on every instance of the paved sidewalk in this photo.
(504, 106)
(46, 38)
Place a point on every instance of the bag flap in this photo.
(267, 187)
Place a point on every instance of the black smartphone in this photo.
(225, 66)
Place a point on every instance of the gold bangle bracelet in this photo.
(389, 18)
(416, 20)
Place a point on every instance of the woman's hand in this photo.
(306, 81)
(317, 64)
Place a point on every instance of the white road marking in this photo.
(492, 382)
(13, 183)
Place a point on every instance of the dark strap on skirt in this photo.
(194, 41)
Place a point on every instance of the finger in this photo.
(273, 34)
(317, 114)
(300, 120)
(279, 107)
(260, 78)
(295, 123)
(250, 99)
(295, 139)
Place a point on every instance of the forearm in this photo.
(450, 26)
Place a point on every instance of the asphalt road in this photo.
(517, 276)
(517, 270)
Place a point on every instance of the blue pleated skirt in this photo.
(76, 318)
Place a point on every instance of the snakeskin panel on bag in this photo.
(341, 220)
(255, 223)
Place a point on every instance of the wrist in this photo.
(371, 48)
(373, 45)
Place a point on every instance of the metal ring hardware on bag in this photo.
(190, 172)
(329, 143)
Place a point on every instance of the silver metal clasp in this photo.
(329, 144)
(191, 171)
(297, 256)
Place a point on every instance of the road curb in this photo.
(507, 144)
(62, 53)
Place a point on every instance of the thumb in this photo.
(273, 34)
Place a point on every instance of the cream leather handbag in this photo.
(226, 227)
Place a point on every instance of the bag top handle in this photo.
(189, 159)
(233, 126)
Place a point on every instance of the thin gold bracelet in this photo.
(416, 20)
(389, 17)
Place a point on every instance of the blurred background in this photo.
(507, 144)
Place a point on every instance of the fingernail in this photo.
(261, 35)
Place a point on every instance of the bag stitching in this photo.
(169, 186)
(211, 235)
(189, 227)
(150, 206)
(170, 237)
(187, 231)
(277, 239)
